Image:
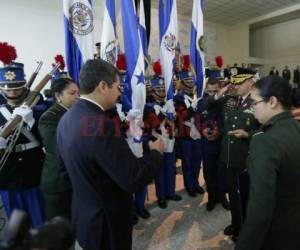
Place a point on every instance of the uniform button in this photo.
(231, 142)
(233, 125)
(20, 159)
(235, 118)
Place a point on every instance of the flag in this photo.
(135, 73)
(167, 52)
(109, 44)
(197, 46)
(79, 28)
(161, 11)
(142, 26)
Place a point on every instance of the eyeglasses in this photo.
(255, 103)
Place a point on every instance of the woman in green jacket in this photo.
(56, 190)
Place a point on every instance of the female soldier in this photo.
(57, 191)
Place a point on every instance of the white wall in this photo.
(279, 44)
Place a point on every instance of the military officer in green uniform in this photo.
(56, 190)
(273, 211)
(239, 125)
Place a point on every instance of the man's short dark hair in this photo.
(275, 86)
(213, 81)
(95, 71)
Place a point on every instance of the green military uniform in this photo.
(57, 191)
(273, 212)
(235, 150)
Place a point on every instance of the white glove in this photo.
(135, 146)
(3, 143)
(187, 101)
(26, 113)
(194, 133)
(158, 109)
(169, 107)
(195, 103)
(120, 112)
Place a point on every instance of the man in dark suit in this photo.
(103, 170)
(296, 79)
(273, 216)
(274, 71)
(286, 73)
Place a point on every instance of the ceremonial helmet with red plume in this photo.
(60, 73)
(186, 62)
(157, 68)
(12, 74)
(121, 63)
(121, 66)
(219, 61)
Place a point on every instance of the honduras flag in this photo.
(79, 27)
(135, 73)
(109, 44)
(142, 26)
(196, 47)
(161, 11)
(167, 52)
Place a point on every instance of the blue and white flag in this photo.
(79, 28)
(197, 45)
(142, 26)
(167, 52)
(135, 73)
(109, 45)
(161, 11)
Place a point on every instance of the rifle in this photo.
(34, 74)
(12, 124)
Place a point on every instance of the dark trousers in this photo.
(214, 173)
(165, 180)
(191, 161)
(238, 190)
(58, 204)
(139, 199)
(30, 200)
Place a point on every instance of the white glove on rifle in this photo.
(194, 133)
(26, 113)
(3, 143)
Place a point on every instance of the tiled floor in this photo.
(182, 225)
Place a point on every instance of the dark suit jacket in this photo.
(296, 78)
(286, 74)
(272, 72)
(273, 216)
(104, 174)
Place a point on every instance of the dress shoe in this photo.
(135, 220)
(174, 197)
(144, 213)
(191, 192)
(234, 237)
(230, 230)
(199, 190)
(210, 205)
(162, 203)
(225, 204)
